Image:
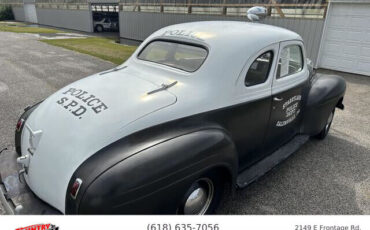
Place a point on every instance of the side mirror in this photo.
(256, 13)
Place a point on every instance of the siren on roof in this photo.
(256, 13)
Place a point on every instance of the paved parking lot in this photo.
(323, 177)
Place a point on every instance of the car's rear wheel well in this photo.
(227, 178)
(222, 171)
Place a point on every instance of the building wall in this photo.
(70, 19)
(345, 43)
(30, 14)
(18, 13)
(137, 26)
(103, 1)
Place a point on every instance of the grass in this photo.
(21, 28)
(12, 23)
(102, 48)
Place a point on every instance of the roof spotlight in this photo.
(256, 13)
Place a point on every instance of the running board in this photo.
(259, 169)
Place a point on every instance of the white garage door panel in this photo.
(331, 61)
(346, 42)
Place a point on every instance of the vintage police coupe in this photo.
(198, 108)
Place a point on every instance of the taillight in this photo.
(75, 188)
(19, 125)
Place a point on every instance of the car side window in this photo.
(290, 61)
(259, 69)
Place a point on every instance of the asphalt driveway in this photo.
(323, 177)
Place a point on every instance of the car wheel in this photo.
(324, 132)
(99, 29)
(203, 196)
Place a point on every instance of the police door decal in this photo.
(291, 110)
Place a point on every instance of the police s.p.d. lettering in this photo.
(77, 101)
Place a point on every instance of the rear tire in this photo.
(99, 28)
(324, 132)
(204, 195)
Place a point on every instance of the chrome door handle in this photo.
(278, 98)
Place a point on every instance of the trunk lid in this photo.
(78, 120)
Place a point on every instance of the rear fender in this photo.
(154, 179)
(326, 93)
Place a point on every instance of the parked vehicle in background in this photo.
(106, 24)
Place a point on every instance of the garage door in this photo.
(346, 40)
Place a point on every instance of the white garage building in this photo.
(339, 40)
(345, 43)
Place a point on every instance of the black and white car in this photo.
(199, 108)
(106, 24)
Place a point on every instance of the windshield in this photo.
(181, 56)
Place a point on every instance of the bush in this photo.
(6, 13)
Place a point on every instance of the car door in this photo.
(291, 74)
(250, 119)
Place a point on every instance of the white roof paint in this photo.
(230, 36)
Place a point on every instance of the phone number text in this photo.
(164, 226)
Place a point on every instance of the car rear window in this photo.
(186, 57)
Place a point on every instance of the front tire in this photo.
(203, 196)
(324, 132)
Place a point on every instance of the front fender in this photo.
(326, 93)
(153, 179)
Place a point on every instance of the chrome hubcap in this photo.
(200, 198)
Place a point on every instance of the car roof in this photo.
(231, 32)
(230, 45)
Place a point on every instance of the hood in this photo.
(77, 121)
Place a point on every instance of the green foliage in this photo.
(6, 13)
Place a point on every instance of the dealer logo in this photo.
(40, 227)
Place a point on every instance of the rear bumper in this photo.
(16, 197)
